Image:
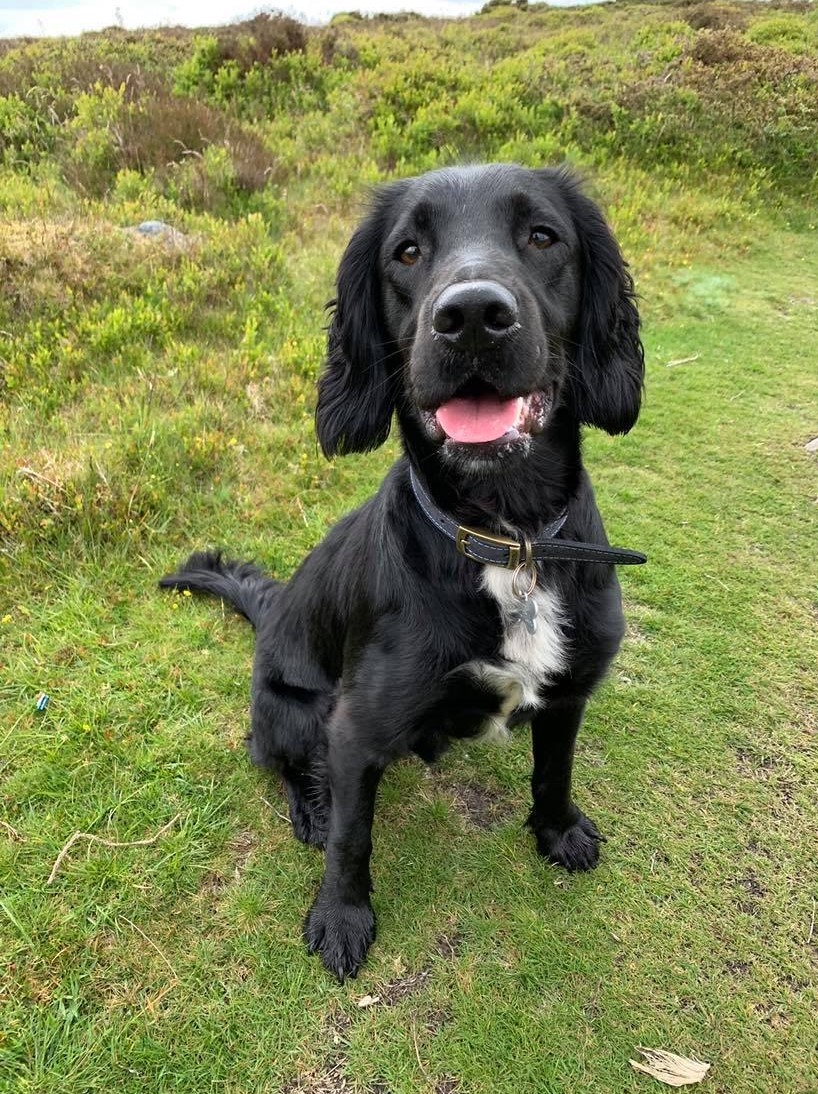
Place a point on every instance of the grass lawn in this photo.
(158, 399)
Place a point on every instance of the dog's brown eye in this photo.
(541, 238)
(408, 253)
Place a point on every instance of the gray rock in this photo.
(160, 231)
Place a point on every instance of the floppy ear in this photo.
(357, 389)
(608, 366)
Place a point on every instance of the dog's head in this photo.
(482, 303)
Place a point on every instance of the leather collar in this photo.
(506, 551)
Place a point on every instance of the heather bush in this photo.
(256, 40)
(193, 152)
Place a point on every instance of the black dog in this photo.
(491, 308)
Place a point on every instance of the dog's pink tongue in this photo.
(478, 418)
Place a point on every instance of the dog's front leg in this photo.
(564, 834)
(340, 926)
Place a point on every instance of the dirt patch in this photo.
(776, 772)
(437, 1018)
(795, 984)
(739, 969)
(481, 806)
(752, 886)
(756, 765)
(449, 944)
(331, 1077)
(69, 655)
(756, 848)
(212, 883)
(634, 635)
(397, 990)
(242, 844)
(773, 1015)
(754, 891)
(447, 1086)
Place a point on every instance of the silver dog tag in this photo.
(526, 571)
(527, 614)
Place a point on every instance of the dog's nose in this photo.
(474, 315)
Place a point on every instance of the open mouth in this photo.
(478, 415)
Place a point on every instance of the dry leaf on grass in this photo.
(670, 1069)
(368, 1000)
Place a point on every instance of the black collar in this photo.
(510, 553)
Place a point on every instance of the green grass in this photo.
(155, 400)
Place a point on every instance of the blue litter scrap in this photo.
(43, 700)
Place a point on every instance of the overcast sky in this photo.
(55, 17)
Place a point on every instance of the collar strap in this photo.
(481, 546)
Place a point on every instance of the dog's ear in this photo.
(357, 389)
(608, 365)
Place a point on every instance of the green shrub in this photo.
(197, 73)
(763, 100)
(657, 44)
(257, 68)
(239, 49)
(794, 33)
(52, 73)
(26, 133)
(94, 138)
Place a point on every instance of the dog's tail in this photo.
(242, 584)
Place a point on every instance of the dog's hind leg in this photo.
(289, 736)
(308, 798)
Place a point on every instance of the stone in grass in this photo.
(159, 231)
(811, 446)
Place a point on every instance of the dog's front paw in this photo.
(575, 846)
(340, 933)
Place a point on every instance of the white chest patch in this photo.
(529, 660)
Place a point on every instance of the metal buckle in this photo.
(512, 545)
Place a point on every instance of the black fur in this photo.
(368, 652)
